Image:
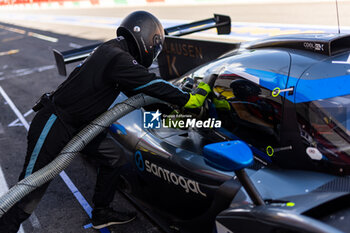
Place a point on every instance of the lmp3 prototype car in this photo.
(284, 99)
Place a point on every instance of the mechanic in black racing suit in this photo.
(117, 65)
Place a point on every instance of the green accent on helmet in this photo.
(221, 104)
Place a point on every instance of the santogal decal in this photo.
(187, 185)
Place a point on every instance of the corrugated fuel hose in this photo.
(71, 150)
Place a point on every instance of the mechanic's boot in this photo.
(104, 217)
(11, 221)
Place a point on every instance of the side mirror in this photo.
(233, 156)
(228, 156)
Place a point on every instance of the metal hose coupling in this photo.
(72, 149)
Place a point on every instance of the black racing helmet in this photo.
(147, 32)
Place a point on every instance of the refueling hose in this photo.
(72, 149)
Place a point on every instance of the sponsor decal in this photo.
(319, 47)
(153, 120)
(139, 161)
(184, 49)
(187, 185)
(187, 50)
(314, 46)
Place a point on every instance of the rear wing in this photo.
(221, 22)
(71, 56)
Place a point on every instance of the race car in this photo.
(274, 155)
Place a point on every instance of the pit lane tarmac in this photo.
(27, 70)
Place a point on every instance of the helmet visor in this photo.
(157, 46)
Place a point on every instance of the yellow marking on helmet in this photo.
(224, 93)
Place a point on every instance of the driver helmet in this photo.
(146, 33)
